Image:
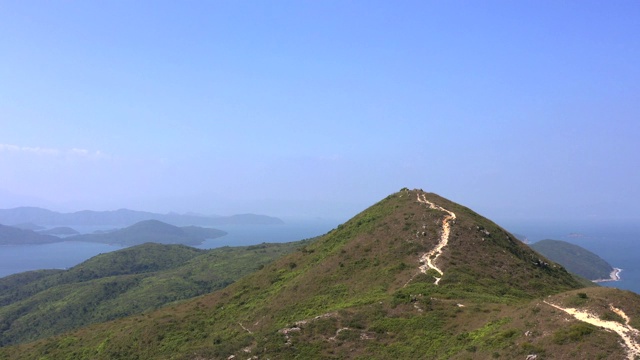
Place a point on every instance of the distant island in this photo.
(10, 235)
(60, 231)
(139, 233)
(577, 260)
(34, 218)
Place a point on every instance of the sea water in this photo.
(61, 255)
(617, 242)
(65, 254)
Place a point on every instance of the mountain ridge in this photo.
(360, 292)
(124, 217)
(141, 232)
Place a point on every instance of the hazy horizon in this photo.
(523, 110)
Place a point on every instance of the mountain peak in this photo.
(440, 242)
(413, 276)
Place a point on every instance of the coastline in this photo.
(615, 276)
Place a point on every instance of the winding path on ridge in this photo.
(628, 334)
(428, 259)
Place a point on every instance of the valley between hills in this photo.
(415, 276)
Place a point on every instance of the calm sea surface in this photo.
(62, 255)
(616, 242)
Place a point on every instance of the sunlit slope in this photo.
(125, 282)
(361, 291)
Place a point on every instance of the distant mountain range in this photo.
(138, 233)
(124, 217)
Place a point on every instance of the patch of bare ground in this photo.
(429, 258)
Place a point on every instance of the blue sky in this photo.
(519, 110)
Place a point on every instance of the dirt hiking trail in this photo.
(429, 258)
(629, 335)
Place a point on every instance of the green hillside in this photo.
(121, 283)
(576, 259)
(366, 290)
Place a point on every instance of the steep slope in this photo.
(125, 282)
(363, 291)
(574, 258)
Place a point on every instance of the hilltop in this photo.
(413, 276)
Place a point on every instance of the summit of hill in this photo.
(413, 276)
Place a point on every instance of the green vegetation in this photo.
(357, 293)
(573, 333)
(121, 283)
(576, 259)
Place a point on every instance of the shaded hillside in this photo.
(358, 292)
(124, 217)
(120, 283)
(574, 258)
(13, 236)
(152, 231)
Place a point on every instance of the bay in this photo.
(617, 242)
(61, 255)
(66, 254)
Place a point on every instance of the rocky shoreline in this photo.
(615, 276)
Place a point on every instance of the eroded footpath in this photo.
(428, 259)
(629, 335)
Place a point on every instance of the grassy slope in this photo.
(355, 293)
(134, 260)
(122, 283)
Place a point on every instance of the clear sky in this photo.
(516, 109)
